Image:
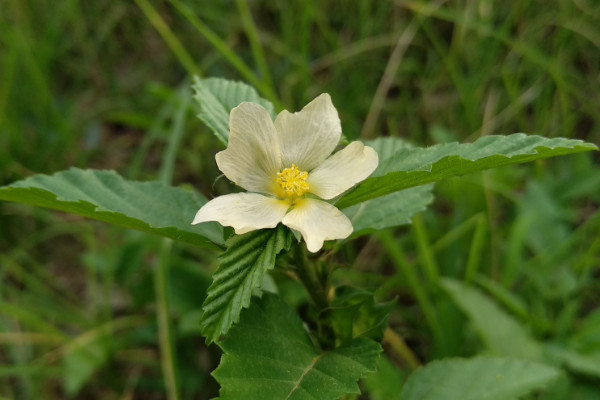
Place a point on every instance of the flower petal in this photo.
(245, 212)
(253, 156)
(307, 137)
(342, 170)
(317, 221)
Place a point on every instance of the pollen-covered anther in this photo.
(293, 181)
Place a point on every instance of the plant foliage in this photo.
(105, 196)
(216, 97)
(269, 352)
(501, 333)
(241, 270)
(480, 378)
(269, 356)
(409, 167)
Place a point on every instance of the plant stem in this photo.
(161, 276)
(161, 284)
(257, 50)
(477, 249)
(426, 254)
(169, 37)
(182, 98)
(225, 50)
(307, 275)
(315, 283)
(401, 349)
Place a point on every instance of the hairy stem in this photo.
(315, 283)
(306, 272)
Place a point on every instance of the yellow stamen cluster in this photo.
(293, 181)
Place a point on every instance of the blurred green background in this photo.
(105, 84)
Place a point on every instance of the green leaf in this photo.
(354, 313)
(105, 196)
(391, 210)
(503, 295)
(386, 384)
(410, 167)
(587, 336)
(218, 96)
(387, 147)
(480, 378)
(80, 365)
(241, 270)
(501, 333)
(269, 356)
(87, 353)
(588, 364)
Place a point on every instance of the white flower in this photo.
(285, 167)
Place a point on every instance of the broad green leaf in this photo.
(410, 167)
(481, 378)
(501, 333)
(391, 210)
(218, 96)
(241, 270)
(105, 196)
(269, 356)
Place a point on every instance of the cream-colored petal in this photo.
(317, 221)
(245, 212)
(307, 137)
(342, 170)
(253, 156)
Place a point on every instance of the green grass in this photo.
(104, 84)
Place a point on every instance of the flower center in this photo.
(293, 181)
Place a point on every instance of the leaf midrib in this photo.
(304, 373)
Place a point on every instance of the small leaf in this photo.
(481, 378)
(81, 363)
(218, 96)
(105, 196)
(501, 333)
(410, 167)
(241, 270)
(269, 356)
(354, 313)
